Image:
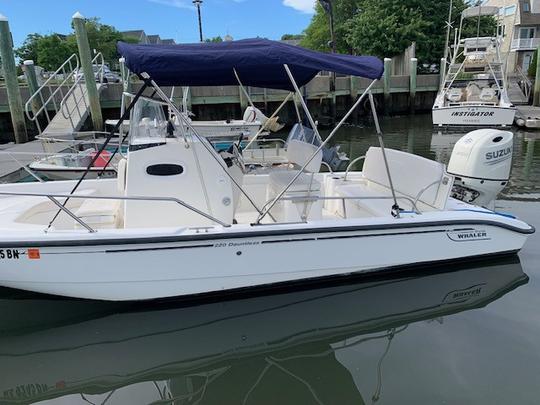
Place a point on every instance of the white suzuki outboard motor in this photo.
(481, 163)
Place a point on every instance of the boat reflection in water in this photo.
(280, 348)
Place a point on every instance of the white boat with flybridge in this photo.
(474, 89)
(182, 219)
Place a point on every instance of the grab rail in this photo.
(351, 164)
(343, 198)
(66, 73)
(52, 196)
(98, 74)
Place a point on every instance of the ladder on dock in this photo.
(60, 106)
(519, 88)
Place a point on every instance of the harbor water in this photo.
(466, 333)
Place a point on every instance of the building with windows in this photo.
(520, 29)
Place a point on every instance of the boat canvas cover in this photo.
(258, 62)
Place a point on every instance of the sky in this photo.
(175, 19)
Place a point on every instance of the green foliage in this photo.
(385, 28)
(288, 37)
(50, 51)
(532, 67)
(28, 50)
(214, 39)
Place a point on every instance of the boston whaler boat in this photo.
(474, 91)
(181, 219)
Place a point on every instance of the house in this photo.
(520, 29)
(142, 38)
(139, 35)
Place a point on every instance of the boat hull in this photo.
(67, 173)
(464, 116)
(137, 269)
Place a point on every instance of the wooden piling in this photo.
(12, 84)
(85, 57)
(412, 84)
(31, 78)
(386, 83)
(536, 98)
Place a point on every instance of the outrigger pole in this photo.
(124, 116)
(323, 144)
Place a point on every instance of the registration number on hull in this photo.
(15, 254)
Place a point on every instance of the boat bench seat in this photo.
(103, 214)
(412, 176)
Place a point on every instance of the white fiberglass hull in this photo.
(474, 115)
(119, 265)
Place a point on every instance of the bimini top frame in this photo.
(260, 63)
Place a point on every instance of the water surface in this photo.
(467, 333)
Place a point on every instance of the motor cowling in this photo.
(481, 162)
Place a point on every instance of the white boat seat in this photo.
(411, 174)
(100, 213)
(279, 179)
(299, 152)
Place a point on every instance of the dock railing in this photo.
(47, 95)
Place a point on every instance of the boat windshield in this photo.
(148, 123)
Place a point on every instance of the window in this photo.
(510, 10)
(526, 7)
(527, 32)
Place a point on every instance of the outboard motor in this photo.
(481, 163)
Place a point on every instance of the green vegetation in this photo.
(214, 39)
(532, 67)
(50, 51)
(385, 28)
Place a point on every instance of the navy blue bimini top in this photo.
(258, 62)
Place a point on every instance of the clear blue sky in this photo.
(169, 18)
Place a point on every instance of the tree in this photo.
(386, 28)
(289, 37)
(317, 34)
(52, 51)
(28, 50)
(214, 39)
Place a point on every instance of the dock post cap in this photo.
(122, 59)
(414, 59)
(77, 15)
(3, 18)
(387, 59)
(28, 62)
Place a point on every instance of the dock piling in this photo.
(31, 78)
(442, 72)
(536, 98)
(386, 83)
(412, 84)
(12, 84)
(85, 57)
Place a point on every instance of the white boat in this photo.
(180, 346)
(181, 219)
(474, 89)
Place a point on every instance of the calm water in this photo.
(446, 335)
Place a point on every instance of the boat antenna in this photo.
(124, 116)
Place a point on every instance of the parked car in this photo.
(108, 75)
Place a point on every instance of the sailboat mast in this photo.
(448, 25)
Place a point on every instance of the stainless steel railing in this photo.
(47, 95)
(53, 196)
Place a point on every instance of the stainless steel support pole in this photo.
(323, 144)
(381, 143)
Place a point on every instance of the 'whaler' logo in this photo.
(467, 236)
